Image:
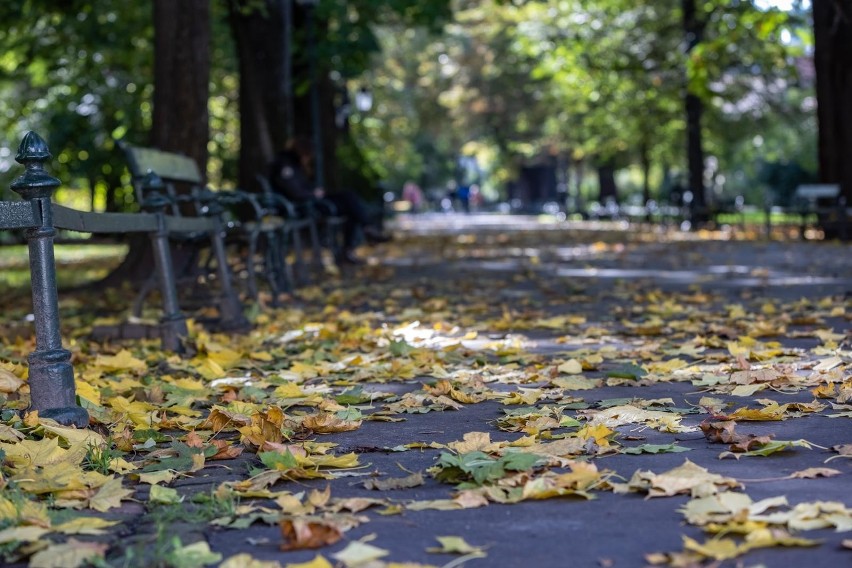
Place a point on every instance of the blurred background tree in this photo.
(568, 85)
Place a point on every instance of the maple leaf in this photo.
(359, 553)
(479, 467)
(70, 554)
(457, 545)
(109, 496)
(302, 533)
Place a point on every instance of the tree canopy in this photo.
(597, 82)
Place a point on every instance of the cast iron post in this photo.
(51, 376)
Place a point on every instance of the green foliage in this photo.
(98, 457)
(277, 460)
(480, 468)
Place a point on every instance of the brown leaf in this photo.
(300, 534)
(814, 472)
(225, 451)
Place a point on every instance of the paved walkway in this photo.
(574, 342)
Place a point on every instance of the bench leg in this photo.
(316, 249)
(252, 278)
(173, 322)
(230, 308)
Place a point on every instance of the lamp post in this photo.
(363, 99)
(310, 6)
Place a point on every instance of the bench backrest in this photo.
(170, 167)
(167, 165)
(817, 191)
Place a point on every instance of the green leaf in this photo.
(277, 460)
(400, 348)
(354, 395)
(655, 449)
(631, 371)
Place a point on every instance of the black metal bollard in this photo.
(51, 376)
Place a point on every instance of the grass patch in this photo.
(76, 264)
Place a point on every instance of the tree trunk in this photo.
(833, 63)
(606, 178)
(694, 29)
(180, 117)
(181, 78)
(264, 53)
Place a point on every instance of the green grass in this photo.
(75, 264)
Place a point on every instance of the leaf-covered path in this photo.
(488, 391)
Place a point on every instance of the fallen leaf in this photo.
(300, 534)
(68, 555)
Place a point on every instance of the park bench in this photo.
(823, 202)
(51, 376)
(266, 233)
(318, 216)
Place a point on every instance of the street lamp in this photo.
(310, 6)
(363, 99)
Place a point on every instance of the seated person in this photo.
(290, 175)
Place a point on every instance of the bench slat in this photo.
(817, 191)
(87, 222)
(169, 166)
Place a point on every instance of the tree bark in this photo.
(606, 178)
(833, 63)
(264, 52)
(181, 78)
(180, 117)
(693, 107)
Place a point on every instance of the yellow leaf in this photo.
(84, 525)
(71, 554)
(167, 495)
(9, 382)
(476, 441)
(318, 562)
(42, 453)
(109, 496)
(26, 512)
(289, 390)
(22, 534)
(121, 361)
(326, 423)
(359, 554)
(245, 560)
(598, 432)
(571, 367)
(576, 383)
(163, 476)
(717, 549)
(456, 545)
(142, 414)
(88, 392)
(72, 436)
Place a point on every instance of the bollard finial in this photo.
(35, 182)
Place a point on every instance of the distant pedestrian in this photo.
(412, 193)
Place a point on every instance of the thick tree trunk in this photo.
(694, 29)
(833, 62)
(181, 78)
(264, 53)
(180, 117)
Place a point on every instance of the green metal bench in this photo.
(266, 235)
